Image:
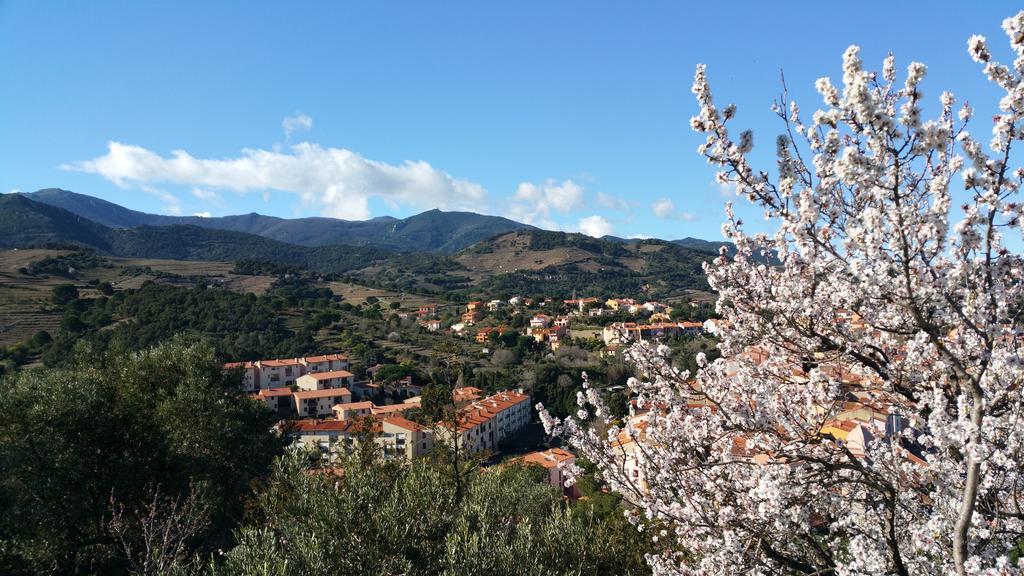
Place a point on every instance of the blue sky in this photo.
(569, 115)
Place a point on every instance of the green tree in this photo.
(63, 293)
(120, 429)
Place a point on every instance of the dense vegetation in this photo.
(128, 430)
(237, 326)
(379, 517)
(151, 462)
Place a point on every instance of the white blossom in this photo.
(889, 296)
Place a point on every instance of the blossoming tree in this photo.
(887, 278)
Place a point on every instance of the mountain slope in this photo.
(25, 223)
(546, 263)
(433, 230)
(704, 245)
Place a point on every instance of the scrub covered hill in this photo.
(431, 231)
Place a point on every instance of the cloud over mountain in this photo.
(336, 181)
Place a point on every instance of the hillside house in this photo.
(623, 332)
(397, 437)
(540, 321)
(284, 372)
(471, 317)
(484, 334)
(279, 400)
(555, 461)
(325, 380)
(319, 403)
(484, 424)
(352, 410)
(432, 325)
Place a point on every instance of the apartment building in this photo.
(483, 424)
(352, 410)
(555, 461)
(623, 332)
(318, 403)
(326, 380)
(395, 436)
(285, 372)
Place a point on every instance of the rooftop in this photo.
(330, 375)
(327, 393)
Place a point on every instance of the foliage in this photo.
(119, 428)
(379, 517)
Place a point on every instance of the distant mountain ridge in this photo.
(27, 223)
(527, 261)
(432, 231)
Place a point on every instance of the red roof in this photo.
(276, 392)
(326, 358)
(549, 458)
(331, 375)
(279, 363)
(353, 406)
(312, 425)
(403, 423)
(327, 393)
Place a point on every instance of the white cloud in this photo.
(339, 182)
(205, 194)
(13, 191)
(663, 208)
(203, 214)
(666, 208)
(725, 189)
(639, 237)
(612, 202)
(537, 203)
(596, 226)
(297, 123)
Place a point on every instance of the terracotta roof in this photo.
(233, 365)
(403, 423)
(481, 411)
(310, 425)
(549, 458)
(391, 408)
(280, 363)
(330, 375)
(275, 392)
(353, 406)
(327, 393)
(326, 357)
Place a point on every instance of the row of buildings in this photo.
(263, 374)
(481, 424)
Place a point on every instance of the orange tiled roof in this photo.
(326, 358)
(275, 392)
(326, 393)
(331, 375)
(367, 405)
(403, 423)
(549, 458)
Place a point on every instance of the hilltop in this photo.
(431, 231)
(521, 261)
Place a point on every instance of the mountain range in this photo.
(432, 231)
(436, 252)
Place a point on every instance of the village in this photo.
(324, 408)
